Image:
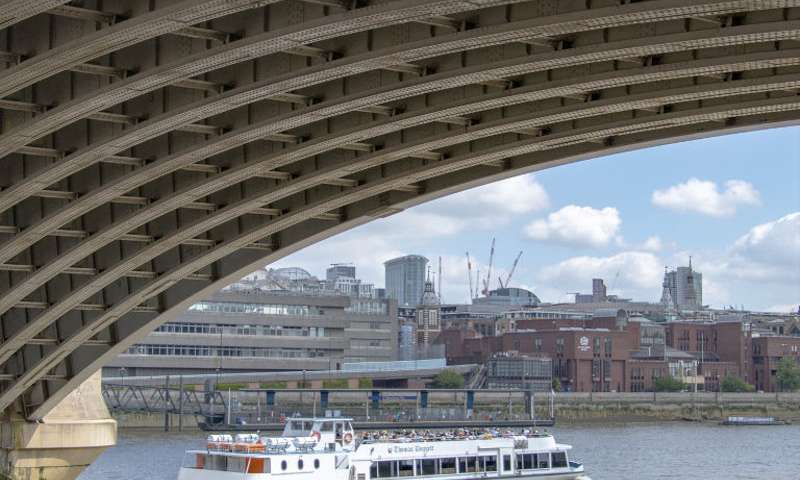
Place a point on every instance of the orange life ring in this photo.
(316, 435)
(348, 437)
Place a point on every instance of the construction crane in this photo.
(488, 280)
(469, 274)
(510, 272)
(477, 281)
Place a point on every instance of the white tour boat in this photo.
(328, 449)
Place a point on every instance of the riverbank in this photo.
(569, 409)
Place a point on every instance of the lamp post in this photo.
(122, 372)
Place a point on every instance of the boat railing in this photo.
(455, 435)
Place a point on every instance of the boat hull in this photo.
(193, 474)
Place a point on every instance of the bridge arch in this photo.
(134, 188)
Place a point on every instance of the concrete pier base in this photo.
(63, 443)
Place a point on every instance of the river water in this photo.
(637, 451)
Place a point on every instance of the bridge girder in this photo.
(150, 157)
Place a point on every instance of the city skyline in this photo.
(732, 203)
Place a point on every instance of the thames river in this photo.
(638, 451)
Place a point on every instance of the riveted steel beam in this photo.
(567, 114)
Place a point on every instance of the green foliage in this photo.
(231, 386)
(668, 384)
(337, 384)
(364, 383)
(733, 384)
(448, 379)
(788, 375)
(273, 385)
(556, 385)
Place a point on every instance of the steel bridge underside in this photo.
(152, 151)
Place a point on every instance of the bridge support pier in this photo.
(63, 443)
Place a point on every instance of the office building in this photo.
(337, 270)
(682, 289)
(239, 330)
(405, 279)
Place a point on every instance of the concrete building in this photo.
(405, 279)
(599, 293)
(242, 330)
(683, 287)
(337, 270)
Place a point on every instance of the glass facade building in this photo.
(405, 279)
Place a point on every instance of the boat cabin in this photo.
(332, 434)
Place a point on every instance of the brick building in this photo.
(767, 354)
(610, 352)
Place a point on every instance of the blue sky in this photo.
(732, 202)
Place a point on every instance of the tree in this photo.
(448, 378)
(788, 375)
(668, 384)
(733, 384)
(556, 385)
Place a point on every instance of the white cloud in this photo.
(631, 274)
(767, 253)
(492, 205)
(653, 244)
(576, 225)
(521, 194)
(776, 243)
(705, 197)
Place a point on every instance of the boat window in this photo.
(506, 463)
(526, 461)
(217, 462)
(543, 460)
(300, 464)
(387, 469)
(490, 464)
(427, 467)
(559, 460)
(406, 468)
(326, 427)
(468, 464)
(316, 463)
(283, 465)
(296, 426)
(237, 464)
(373, 470)
(447, 465)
